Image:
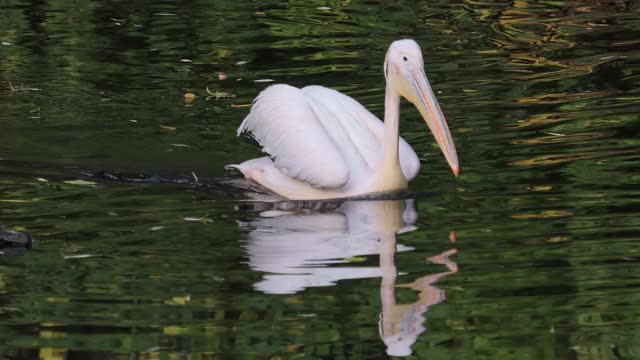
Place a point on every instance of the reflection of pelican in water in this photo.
(296, 245)
(401, 324)
(306, 246)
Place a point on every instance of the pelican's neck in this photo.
(391, 126)
(390, 177)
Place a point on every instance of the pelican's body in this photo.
(323, 144)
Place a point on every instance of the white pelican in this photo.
(323, 144)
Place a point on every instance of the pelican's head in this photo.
(404, 71)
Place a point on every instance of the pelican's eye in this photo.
(404, 58)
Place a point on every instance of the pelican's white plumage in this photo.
(320, 136)
(323, 144)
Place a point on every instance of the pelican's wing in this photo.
(284, 124)
(358, 131)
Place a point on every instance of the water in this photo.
(532, 253)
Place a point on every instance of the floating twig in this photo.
(13, 88)
(201, 219)
(218, 94)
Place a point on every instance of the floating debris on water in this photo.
(218, 94)
(79, 256)
(13, 88)
(15, 237)
(189, 97)
(14, 242)
(188, 218)
(80, 182)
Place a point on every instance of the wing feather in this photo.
(284, 124)
(345, 117)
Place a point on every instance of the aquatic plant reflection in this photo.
(306, 244)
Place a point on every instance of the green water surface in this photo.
(531, 253)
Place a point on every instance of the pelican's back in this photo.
(286, 127)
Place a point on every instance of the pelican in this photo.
(323, 144)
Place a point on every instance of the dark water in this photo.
(532, 253)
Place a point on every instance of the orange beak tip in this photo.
(456, 171)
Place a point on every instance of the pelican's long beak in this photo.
(433, 116)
